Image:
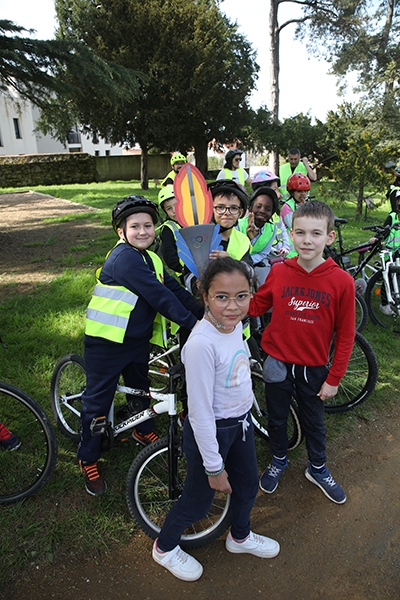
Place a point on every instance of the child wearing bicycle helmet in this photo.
(312, 302)
(177, 162)
(266, 178)
(268, 239)
(218, 433)
(232, 169)
(298, 186)
(133, 290)
(168, 229)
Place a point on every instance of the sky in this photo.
(316, 96)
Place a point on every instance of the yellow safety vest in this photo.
(109, 310)
(238, 244)
(240, 172)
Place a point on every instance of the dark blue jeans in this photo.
(104, 363)
(306, 383)
(241, 465)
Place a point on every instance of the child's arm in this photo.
(169, 251)
(344, 333)
(261, 301)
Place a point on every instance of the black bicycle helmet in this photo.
(130, 205)
(231, 187)
(268, 192)
(230, 155)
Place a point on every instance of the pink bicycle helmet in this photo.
(264, 178)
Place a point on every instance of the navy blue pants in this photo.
(306, 382)
(104, 363)
(241, 465)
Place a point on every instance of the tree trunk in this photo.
(360, 198)
(200, 154)
(144, 169)
(274, 74)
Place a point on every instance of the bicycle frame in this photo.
(391, 268)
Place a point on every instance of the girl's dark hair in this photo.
(224, 265)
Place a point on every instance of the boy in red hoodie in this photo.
(312, 299)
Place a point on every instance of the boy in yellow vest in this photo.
(167, 231)
(120, 322)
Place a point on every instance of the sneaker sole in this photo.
(181, 577)
(94, 493)
(315, 482)
(267, 491)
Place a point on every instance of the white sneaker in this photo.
(386, 310)
(258, 545)
(179, 563)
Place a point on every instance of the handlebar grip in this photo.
(340, 221)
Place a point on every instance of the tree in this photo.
(199, 70)
(336, 15)
(362, 149)
(59, 76)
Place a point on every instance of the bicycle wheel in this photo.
(67, 384)
(259, 414)
(148, 498)
(26, 469)
(374, 294)
(159, 363)
(361, 312)
(359, 380)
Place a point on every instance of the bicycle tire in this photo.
(148, 498)
(259, 414)
(361, 312)
(67, 385)
(24, 471)
(374, 300)
(360, 378)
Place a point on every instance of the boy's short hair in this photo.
(317, 210)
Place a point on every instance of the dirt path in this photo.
(351, 552)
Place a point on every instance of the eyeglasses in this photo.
(232, 210)
(222, 300)
(238, 158)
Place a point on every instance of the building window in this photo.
(97, 152)
(17, 129)
(1, 140)
(95, 138)
(107, 153)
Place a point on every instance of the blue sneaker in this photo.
(11, 443)
(324, 480)
(269, 479)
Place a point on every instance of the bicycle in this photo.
(25, 470)
(69, 380)
(383, 291)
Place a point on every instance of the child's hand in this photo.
(220, 482)
(251, 229)
(327, 391)
(372, 240)
(218, 254)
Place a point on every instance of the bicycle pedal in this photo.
(98, 425)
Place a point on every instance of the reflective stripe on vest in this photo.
(240, 172)
(109, 310)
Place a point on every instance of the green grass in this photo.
(62, 521)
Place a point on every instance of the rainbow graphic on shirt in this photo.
(238, 369)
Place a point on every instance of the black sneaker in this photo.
(11, 443)
(94, 483)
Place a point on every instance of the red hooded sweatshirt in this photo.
(307, 309)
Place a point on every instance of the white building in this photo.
(17, 136)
